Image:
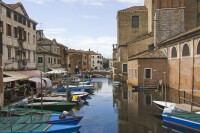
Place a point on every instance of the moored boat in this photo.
(52, 106)
(36, 118)
(162, 104)
(38, 128)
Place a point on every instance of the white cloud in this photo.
(101, 44)
(40, 1)
(55, 31)
(89, 17)
(85, 2)
(131, 1)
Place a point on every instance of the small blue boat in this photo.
(188, 120)
(38, 128)
(42, 118)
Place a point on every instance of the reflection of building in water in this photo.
(109, 81)
(136, 113)
(97, 85)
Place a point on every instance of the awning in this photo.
(13, 76)
(31, 73)
(38, 82)
(55, 69)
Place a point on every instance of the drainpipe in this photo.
(192, 75)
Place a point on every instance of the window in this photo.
(15, 17)
(34, 27)
(84, 63)
(9, 53)
(40, 59)
(33, 38)
(9, 30)
(85, 57)
(136, 73)
(147, 73)
(8, 13)
(49, 60)
(24, 21)
(29, 24)
(28, 37)
(15, 32)
(79, 62)
(20, 34)
(135, 21)
(79, 57)
(58, 60)
(198, 48)
(1, 26)
(186, 50)
(54, 60)
(124, 68)
(20, 19)
(24, 35)
(174, 53)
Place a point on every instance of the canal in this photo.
(120, 110)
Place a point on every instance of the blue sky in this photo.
(79, 24)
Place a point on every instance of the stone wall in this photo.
(169, 22)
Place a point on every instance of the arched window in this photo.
(174, 52)
(198, 48)
(186, 50)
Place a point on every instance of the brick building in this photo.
(79, 60)
(146, 69)
(184, 61)
(140, 26)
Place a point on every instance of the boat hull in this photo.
(38, 128)
(55, 106)
(186, 123)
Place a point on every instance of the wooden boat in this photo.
(37, 118)
(162, 104)
(38, 128)
(52, 106)
(14, 111)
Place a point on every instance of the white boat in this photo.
(162, 104)
(81, 86)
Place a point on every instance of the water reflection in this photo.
(136, 112)
(121, 110)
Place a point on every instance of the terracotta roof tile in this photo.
(134, 8)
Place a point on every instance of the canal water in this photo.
(120, 110)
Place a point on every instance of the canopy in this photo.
(48, 82)
(38, 82)
(56, 72)
(13, 76)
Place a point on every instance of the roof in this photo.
(140, 37)
(134, 8)
(44, 41)
(157, 54)
(181, 36)
(41, 49)
(16, 5)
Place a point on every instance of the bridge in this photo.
(101, 73)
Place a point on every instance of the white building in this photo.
(19, 38)
(96, 61)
